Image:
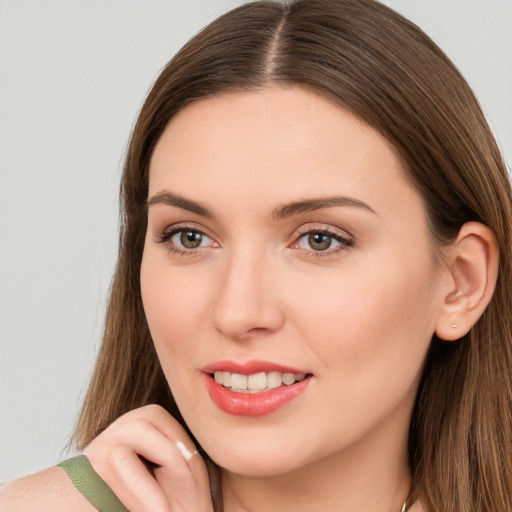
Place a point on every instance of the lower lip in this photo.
(253, 404)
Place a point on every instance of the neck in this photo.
(373, 475)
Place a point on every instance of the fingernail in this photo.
(183, 450)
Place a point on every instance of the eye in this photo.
(322, 241)
(184, 240)
(189, 239)
(317, 241)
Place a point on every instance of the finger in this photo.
(151, 432)
(192, 494)
(195, 463)
(114, 456)
(197, 466)
(178, 489)
(158, 417)
(144, 439)
(170, 428)
(133, 484)
(165, 422)
(183, 481)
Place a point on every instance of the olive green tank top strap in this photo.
(91, 485)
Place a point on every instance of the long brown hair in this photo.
(385, 70)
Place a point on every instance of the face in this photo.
(286, 253)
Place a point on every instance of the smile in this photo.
(253, 388)
(256, 382)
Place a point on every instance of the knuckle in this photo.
(117, 459)
(155, 411)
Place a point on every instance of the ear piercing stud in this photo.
(457, 295)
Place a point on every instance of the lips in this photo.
(255, 388)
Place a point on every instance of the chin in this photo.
(265, 467)
(255, 460)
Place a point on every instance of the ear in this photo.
(472, 263)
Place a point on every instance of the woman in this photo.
(312, 278)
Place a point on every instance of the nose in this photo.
(246, 304)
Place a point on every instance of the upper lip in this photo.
(250, 367)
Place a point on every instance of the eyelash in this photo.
(166, 238)
(345, 242)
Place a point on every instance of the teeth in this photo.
(238, 381)
(274, 380)
(288, 378)
(226, 378)
(257, 381)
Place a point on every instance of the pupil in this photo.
(190, 239)
(319, 241)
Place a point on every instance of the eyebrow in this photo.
(317, 203)
(282, 212)
(170, 199)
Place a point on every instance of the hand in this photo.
(180, 481)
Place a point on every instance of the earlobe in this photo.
(473, 266)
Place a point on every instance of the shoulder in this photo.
(49, 490)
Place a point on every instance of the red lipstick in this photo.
(261, 403)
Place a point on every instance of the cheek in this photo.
(173, 304)
(368, 333)
(372, 319)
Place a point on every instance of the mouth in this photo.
(254, 388)
(256, 382)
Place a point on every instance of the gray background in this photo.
(73, 74)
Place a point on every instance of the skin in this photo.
(359, 316)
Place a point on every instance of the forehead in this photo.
(276, 144)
